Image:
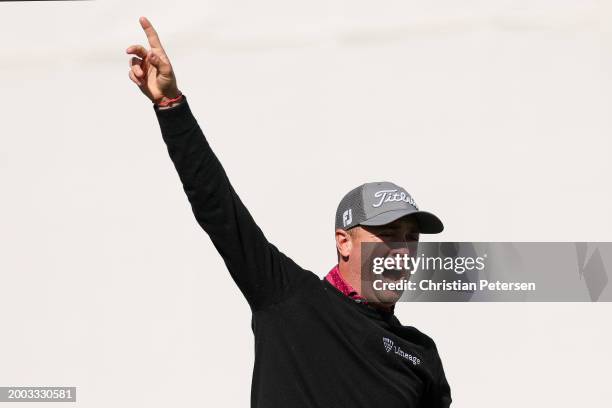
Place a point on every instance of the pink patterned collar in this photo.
(343, 286)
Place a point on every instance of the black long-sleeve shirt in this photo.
(314, 346)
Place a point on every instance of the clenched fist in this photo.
(151, 69)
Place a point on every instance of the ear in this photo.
(344, 244)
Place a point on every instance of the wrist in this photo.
(169, 100)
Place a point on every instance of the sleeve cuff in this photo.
(175, 120)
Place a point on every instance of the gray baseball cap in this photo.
(381, 203)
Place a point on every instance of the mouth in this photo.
(394, 275)
(399, 272)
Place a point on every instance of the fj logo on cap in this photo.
(387, 196)
(347, 217)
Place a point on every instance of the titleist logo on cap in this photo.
(387, 196)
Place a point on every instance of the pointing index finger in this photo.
(150, 32)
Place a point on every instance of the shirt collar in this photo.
(336, 280)
(343, 286)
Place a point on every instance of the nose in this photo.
(403, 250)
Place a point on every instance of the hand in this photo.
(151, 69)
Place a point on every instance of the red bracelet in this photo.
(170, 101)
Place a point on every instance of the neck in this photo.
(384, 307)
(353, 278)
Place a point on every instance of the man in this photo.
(318, 343)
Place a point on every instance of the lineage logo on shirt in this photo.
(390, 346)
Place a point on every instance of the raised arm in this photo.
(264, 275)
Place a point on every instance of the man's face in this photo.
(391, 239)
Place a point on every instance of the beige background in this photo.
(494, 114)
